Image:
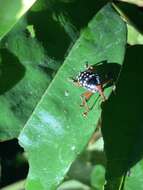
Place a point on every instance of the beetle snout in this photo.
(74, 81)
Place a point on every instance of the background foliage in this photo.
(39, 52)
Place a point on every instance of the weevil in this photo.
(93, 82)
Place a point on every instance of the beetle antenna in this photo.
(86, 65)
(71, 79)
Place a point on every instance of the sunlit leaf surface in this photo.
(11, 12)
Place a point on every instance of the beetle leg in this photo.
(89, 67)
(114, 85)
(114, 88)
(100, 90)
(84, 98)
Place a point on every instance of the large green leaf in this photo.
(56, 131)
(10, 12)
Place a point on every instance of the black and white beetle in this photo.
(93, 82)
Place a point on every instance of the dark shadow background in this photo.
(11, 70)
(12, 169)
(13, 164)
(133, 13)
(51, 33)
(107, 71)
(122, 117)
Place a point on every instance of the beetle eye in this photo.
(75, 80)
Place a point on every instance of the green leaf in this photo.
(98, 177)
(57, 132)
(134, 36)
(15, 186)
(136, 2)
(135, 179)
(73, 185)
(40, 5)
(132, 15)
(10, 12)
(23, 81)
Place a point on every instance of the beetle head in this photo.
(75, 81)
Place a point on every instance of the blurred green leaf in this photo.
(73, 185)
(10, 12)
(98, 177)
(136, 2)
(15, 186)
(132, 16)
(57, 132)
(134, 36)
(23, 80)
(135, 178)
(40, 5)
(65, 22)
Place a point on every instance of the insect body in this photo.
(91, 80)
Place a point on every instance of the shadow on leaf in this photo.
(107, 71)
(11, 70)
(122, 124)
(54, 31)
(50, 33)
(133, 13)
